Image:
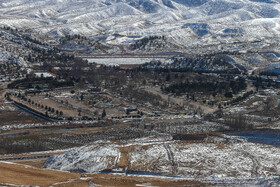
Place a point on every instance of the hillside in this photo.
(139, 92)
(232, 163)
(32, 176)
(205, 22)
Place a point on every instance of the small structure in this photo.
(94, 90)
(44, 75)
(130, 109)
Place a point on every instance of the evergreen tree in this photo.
(103, 114)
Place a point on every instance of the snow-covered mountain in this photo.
(186, 22)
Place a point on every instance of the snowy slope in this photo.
(92, 158)
(205, 21)
(232, 162)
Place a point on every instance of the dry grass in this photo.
(221, 145)
(124, 159)
(16, 117)
(128, 181)
(67, 112)
(27, 175)
(34, 163)
(22, 175)
(84, 131)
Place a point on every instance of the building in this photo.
(44, 75)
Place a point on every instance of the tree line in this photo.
(234, 86)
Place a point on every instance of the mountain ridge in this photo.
(253, 19)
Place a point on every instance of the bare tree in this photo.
(269, 103)
(238, 122)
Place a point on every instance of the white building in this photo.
(44, 75)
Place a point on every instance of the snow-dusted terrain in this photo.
(215, 162)
(185, 22)
(92, 158)
(119, 61)
(11, 59)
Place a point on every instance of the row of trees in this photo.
(47, 109)
(234, 86)
(242, 98)
(238, 122)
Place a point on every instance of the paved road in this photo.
(26, 109)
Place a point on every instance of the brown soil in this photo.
(16, 117)
(124, 159)
(22, 175)
(26, 175)
(34, 163)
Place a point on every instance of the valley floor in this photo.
(221, 160)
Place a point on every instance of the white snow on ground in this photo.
(206, 161)
(7, 108)
(241, 160)
(208, 21)
(47, 124)
(89, 159)
(119, 61)
(154, 157)
(212, 162)
(10, 58)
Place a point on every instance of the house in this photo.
(130, 109)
